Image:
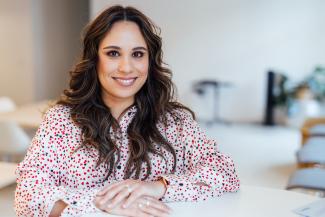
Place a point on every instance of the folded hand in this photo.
(129, 190)
(143, 206)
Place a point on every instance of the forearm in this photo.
(43, 200)
(161, 186)
(210, 178)
(58, 208)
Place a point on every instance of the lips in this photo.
(125, 82)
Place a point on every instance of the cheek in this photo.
(106, 67)
(142, 67)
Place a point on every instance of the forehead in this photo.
(124, 34)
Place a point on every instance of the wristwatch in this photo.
(164, 181)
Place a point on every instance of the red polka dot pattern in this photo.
(54, 169)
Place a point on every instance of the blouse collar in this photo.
(127, 117)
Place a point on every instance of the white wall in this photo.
(236, 41)
(16, 68)
(39, 42)
(57, 38)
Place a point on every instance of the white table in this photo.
(27, 116)
(249, 201)
(7, 173)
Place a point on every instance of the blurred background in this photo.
(252, 70)
(231, 41)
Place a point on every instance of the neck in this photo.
(117, 106)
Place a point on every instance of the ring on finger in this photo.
(129, 189)
(147, 202)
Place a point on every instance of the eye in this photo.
(138, 54)
(113, 53)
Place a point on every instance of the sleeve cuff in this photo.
(53, 196)
(79, 201)
(178, 188)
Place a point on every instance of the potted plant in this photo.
(306, 98)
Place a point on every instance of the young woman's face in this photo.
(123, 62)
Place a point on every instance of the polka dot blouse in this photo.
(55, 169)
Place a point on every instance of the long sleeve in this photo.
(39, 184)
(205, 171)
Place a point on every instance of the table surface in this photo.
(27, 116)
(7, 173)
(249, 201)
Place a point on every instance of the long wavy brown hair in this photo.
(153, 101)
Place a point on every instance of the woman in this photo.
(117, 141)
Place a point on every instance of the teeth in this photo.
(125, 82)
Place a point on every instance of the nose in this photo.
(125, 65)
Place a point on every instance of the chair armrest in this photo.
(309, 123)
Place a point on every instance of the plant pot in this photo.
(301, 109)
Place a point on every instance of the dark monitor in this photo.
(275, 88)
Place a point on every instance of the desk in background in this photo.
(27, 116)
(7, 173)
(249, 201)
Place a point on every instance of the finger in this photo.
(113, 193)
(106, 189)
(158, 204)
(112, 202)
(122, 195)
(149, 201)
(141, 213)
(132, 212)
(109, 187)
(133, 197)
(98, 204)
(152, 211)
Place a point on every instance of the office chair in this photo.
(309, 180)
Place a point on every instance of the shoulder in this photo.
(57, 114)
(178, 119)
(181, 115)
(58, 111)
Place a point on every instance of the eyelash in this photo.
(136, 54)
(113, 53)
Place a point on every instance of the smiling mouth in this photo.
(125, 82)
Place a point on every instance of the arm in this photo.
(203, 172)
(58, 208)
(38, 182)
(143, 206)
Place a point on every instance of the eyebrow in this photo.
(118, 48)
